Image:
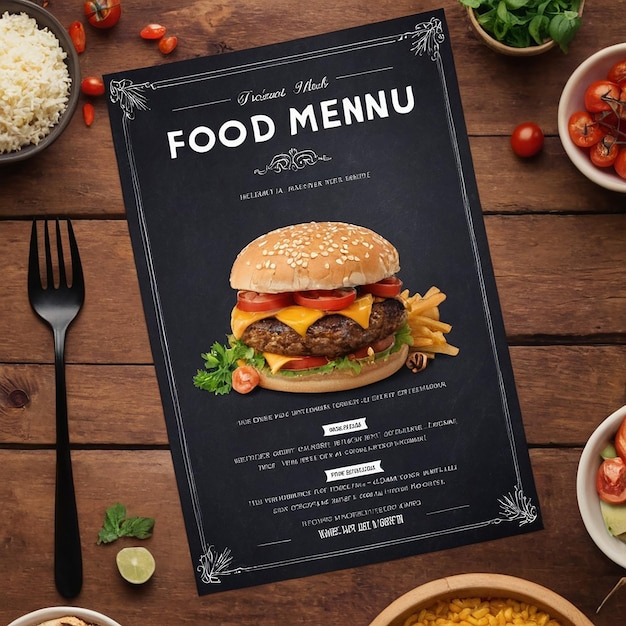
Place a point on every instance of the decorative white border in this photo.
(425, 39)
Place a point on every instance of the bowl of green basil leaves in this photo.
(525, 27)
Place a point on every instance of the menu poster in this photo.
(363, 126)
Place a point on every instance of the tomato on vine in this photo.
(604, 153)
(584, 130)
(527, 139)
(103, 13)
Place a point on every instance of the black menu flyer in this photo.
(363, 126)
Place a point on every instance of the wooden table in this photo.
(558, 244)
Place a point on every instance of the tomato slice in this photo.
(253, 302)
(611, 481)
(326, 299)
(379, 346)
(385, 288)
(584, 131)
(305, 363)
(620, 440)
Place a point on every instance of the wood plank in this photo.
(561, 557)
(558, 276)
(119, 405)
(84, 158)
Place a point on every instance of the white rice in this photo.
(34, 81)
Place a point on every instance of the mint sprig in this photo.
(117, 525)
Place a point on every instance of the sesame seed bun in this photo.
(314, 255)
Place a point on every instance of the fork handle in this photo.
(68, 564)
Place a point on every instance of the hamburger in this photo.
(319, 306)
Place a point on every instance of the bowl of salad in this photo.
(592, 117)
(601, 486)
(525, 29)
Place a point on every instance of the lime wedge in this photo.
(136, 565)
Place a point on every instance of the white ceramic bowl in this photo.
(42, 615)
(588, 499)
(481, 586)
(44, 18)
(572, 100)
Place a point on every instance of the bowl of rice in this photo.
(481, 599)
(39, 79)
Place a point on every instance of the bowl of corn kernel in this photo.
(485, 599)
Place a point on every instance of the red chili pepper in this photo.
(77, 34)
(167, 44)
(152, 31)
(88, 113)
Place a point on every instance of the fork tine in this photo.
(34, 275)
(77, 268)
(49, 270)
(62, 274)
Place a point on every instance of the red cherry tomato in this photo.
(611, 481)
(326, 299)
(584, 131)
(385, 288)
(305, 363)
(88, 113)
(253, 302)
(601, 96)
(527, 139)
(620, 163)
(167, 44)
(77, 34)
(103, 13)
(617, 73)
(152, 31)
(604, 153)
(245, 378)
(92, 86)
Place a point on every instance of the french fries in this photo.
(427, 330)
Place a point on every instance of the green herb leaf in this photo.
(116, 525)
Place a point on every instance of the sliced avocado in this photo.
(614, 517)
(609, 452)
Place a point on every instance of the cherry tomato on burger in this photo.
(604, 153)
(92, 86)
(103, 13)
(245, 378)
(305, 363)
(611, 480)
(617, 73)
(326, 299)
(253, 302)
(527, 139)
(584, 131)
(620, 163)
(152, 31)
(601, 95)
(77, 34)
(385, 288)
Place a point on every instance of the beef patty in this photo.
(331, 336)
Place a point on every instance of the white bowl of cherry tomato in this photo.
(601, 486)
(592, 117)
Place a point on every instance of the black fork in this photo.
(58, 302)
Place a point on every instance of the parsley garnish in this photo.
(117, 525)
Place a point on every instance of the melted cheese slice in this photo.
(299, 318)
(276, 361)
